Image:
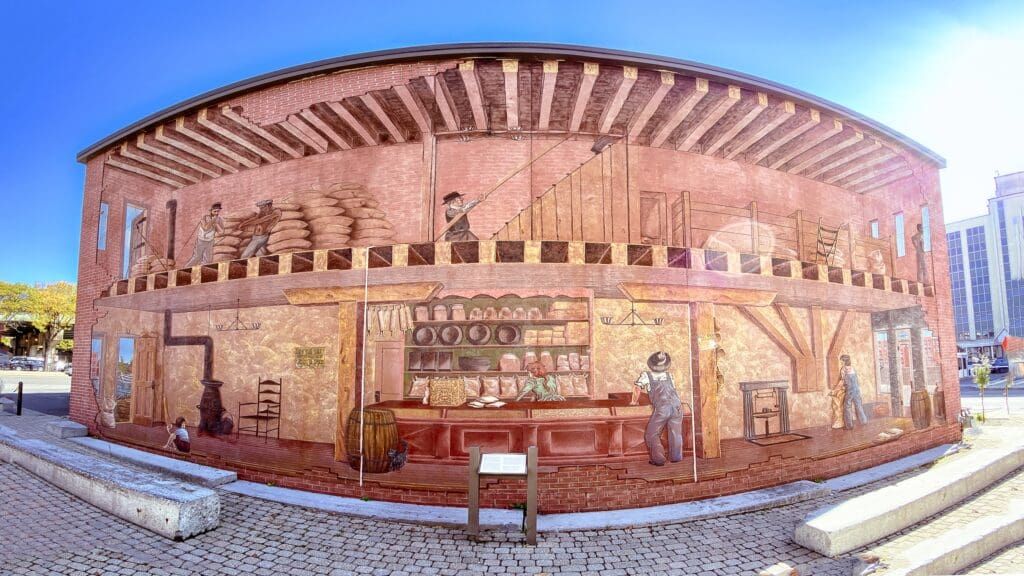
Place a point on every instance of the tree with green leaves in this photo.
(50, 308)
(982, 375)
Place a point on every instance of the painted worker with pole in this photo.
(456, 211)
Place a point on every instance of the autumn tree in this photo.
(50, 308)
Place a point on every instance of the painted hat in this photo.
(659, 361)
(451, 196)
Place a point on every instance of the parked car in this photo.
(26, 363)
(1000, 364)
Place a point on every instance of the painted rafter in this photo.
(414, 107)
(128, 167)
(352, 122)
(205, 119)
(439, 90)
(882, 181)
(812, 139)
(143, 144)
(383, 117)
(854, 167)
(182, 127)
(467, 71)
(547, 93)
(510, 72)
(590, 71)
(229, 113)
(847, 156)
(850, 138)
(304, 133)
(723, 138)
(315, 121)
(811, 119)
(756, 135)
(136, 155)
(719, 109)
(668, 80)
(196, 151)
(681, 111)
(611, 111)
(879, 169)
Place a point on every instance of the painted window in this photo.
(901, 242)
(134, 236)
(882, 362)
(101, 229)
(874, 228)
(926, 228)
(123, 386)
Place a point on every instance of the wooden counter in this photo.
(569, 432)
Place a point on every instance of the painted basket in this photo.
(447, 392)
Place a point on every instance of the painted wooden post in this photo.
(704, 356)
(799, 215)
(474, 492)
(531, 495)
(687, 222)
(755, 240)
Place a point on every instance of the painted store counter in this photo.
(571, 431)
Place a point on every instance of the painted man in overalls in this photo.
(667, 409)
(852, 404)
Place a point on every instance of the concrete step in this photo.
(857, 522)
(187, 471)
(951, 551)
(170, 508)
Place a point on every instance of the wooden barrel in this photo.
(939, 404)
(380, 434)
(920, 409)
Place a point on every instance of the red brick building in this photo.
(614, 205)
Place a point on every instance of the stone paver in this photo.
(1006, 561)
(46, 531)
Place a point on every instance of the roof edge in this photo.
(477, 49)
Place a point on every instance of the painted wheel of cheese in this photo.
(314, 213)
(292, 215)
(368, 223)
(288, 235)
(364, 213)
(325, 201)
(331, 221)
(290, 225)
(295, 244)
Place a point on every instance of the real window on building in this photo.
(101, 229)
(926, 229)
(874, 228)
(901, 243)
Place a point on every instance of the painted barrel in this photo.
(380, 434)
(939, 404)
(920, 409)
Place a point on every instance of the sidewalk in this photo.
(56, 533)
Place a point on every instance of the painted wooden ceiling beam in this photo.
(844, 158)
(682, 111)
(590, 71)
(120, 164)
(437, 87)
(205, 120)
(732, 97)
(611, 111)
(726, 136)
(414, 107)
(810, 140)
(181, 127)
(229, 113)
(467, 71)
(352, 122)
(510, 71)
(143, 144)
(547, 93)
(756, 135)
(381, 115)
(304, 133)
(166, 138)
(315, 121)
(809, 120)
(854, 167)
(668, 80)
(127, 152)
(883, 180)
(851, 137)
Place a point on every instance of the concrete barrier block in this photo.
(66, 429)
(170, 508)
(187, 471)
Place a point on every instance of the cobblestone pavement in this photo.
(44, 530)
(1009, 560)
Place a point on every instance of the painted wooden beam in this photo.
(835, 347)
(879, 170)
(206, 121)
(318, 123)
(668, 80)
(229, 113)
(547, 93)
(381, 115)
(127, 167)
(304, 133)
(844, 158)
(756, 316)
(143, 144)
(886, 179)
(811, 140)
(127, 152)
(181, 127)
(705, 371)
(590, 71)
(352, 122)
(853, 167)
(794, 329)
(851, 137)
(726, 136)
(755, 136)
(438, 89)
(467, 71)
(611, 111)
(510, 71)
(682, 110)
(413, 291)
(811, 119)
(414, 107)
(732, 97)
(164, 137)
(668, 293)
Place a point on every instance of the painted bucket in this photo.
(920, 409)
(380, 434)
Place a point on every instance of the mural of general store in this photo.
(660, 274)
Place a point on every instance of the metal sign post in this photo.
(503, 466)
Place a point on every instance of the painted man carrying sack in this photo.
(667, 410)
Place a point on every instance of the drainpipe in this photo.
(172, 218)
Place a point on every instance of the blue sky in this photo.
(947, 74)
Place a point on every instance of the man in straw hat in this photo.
(667, 409)
(209, 226)
(456, 208)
